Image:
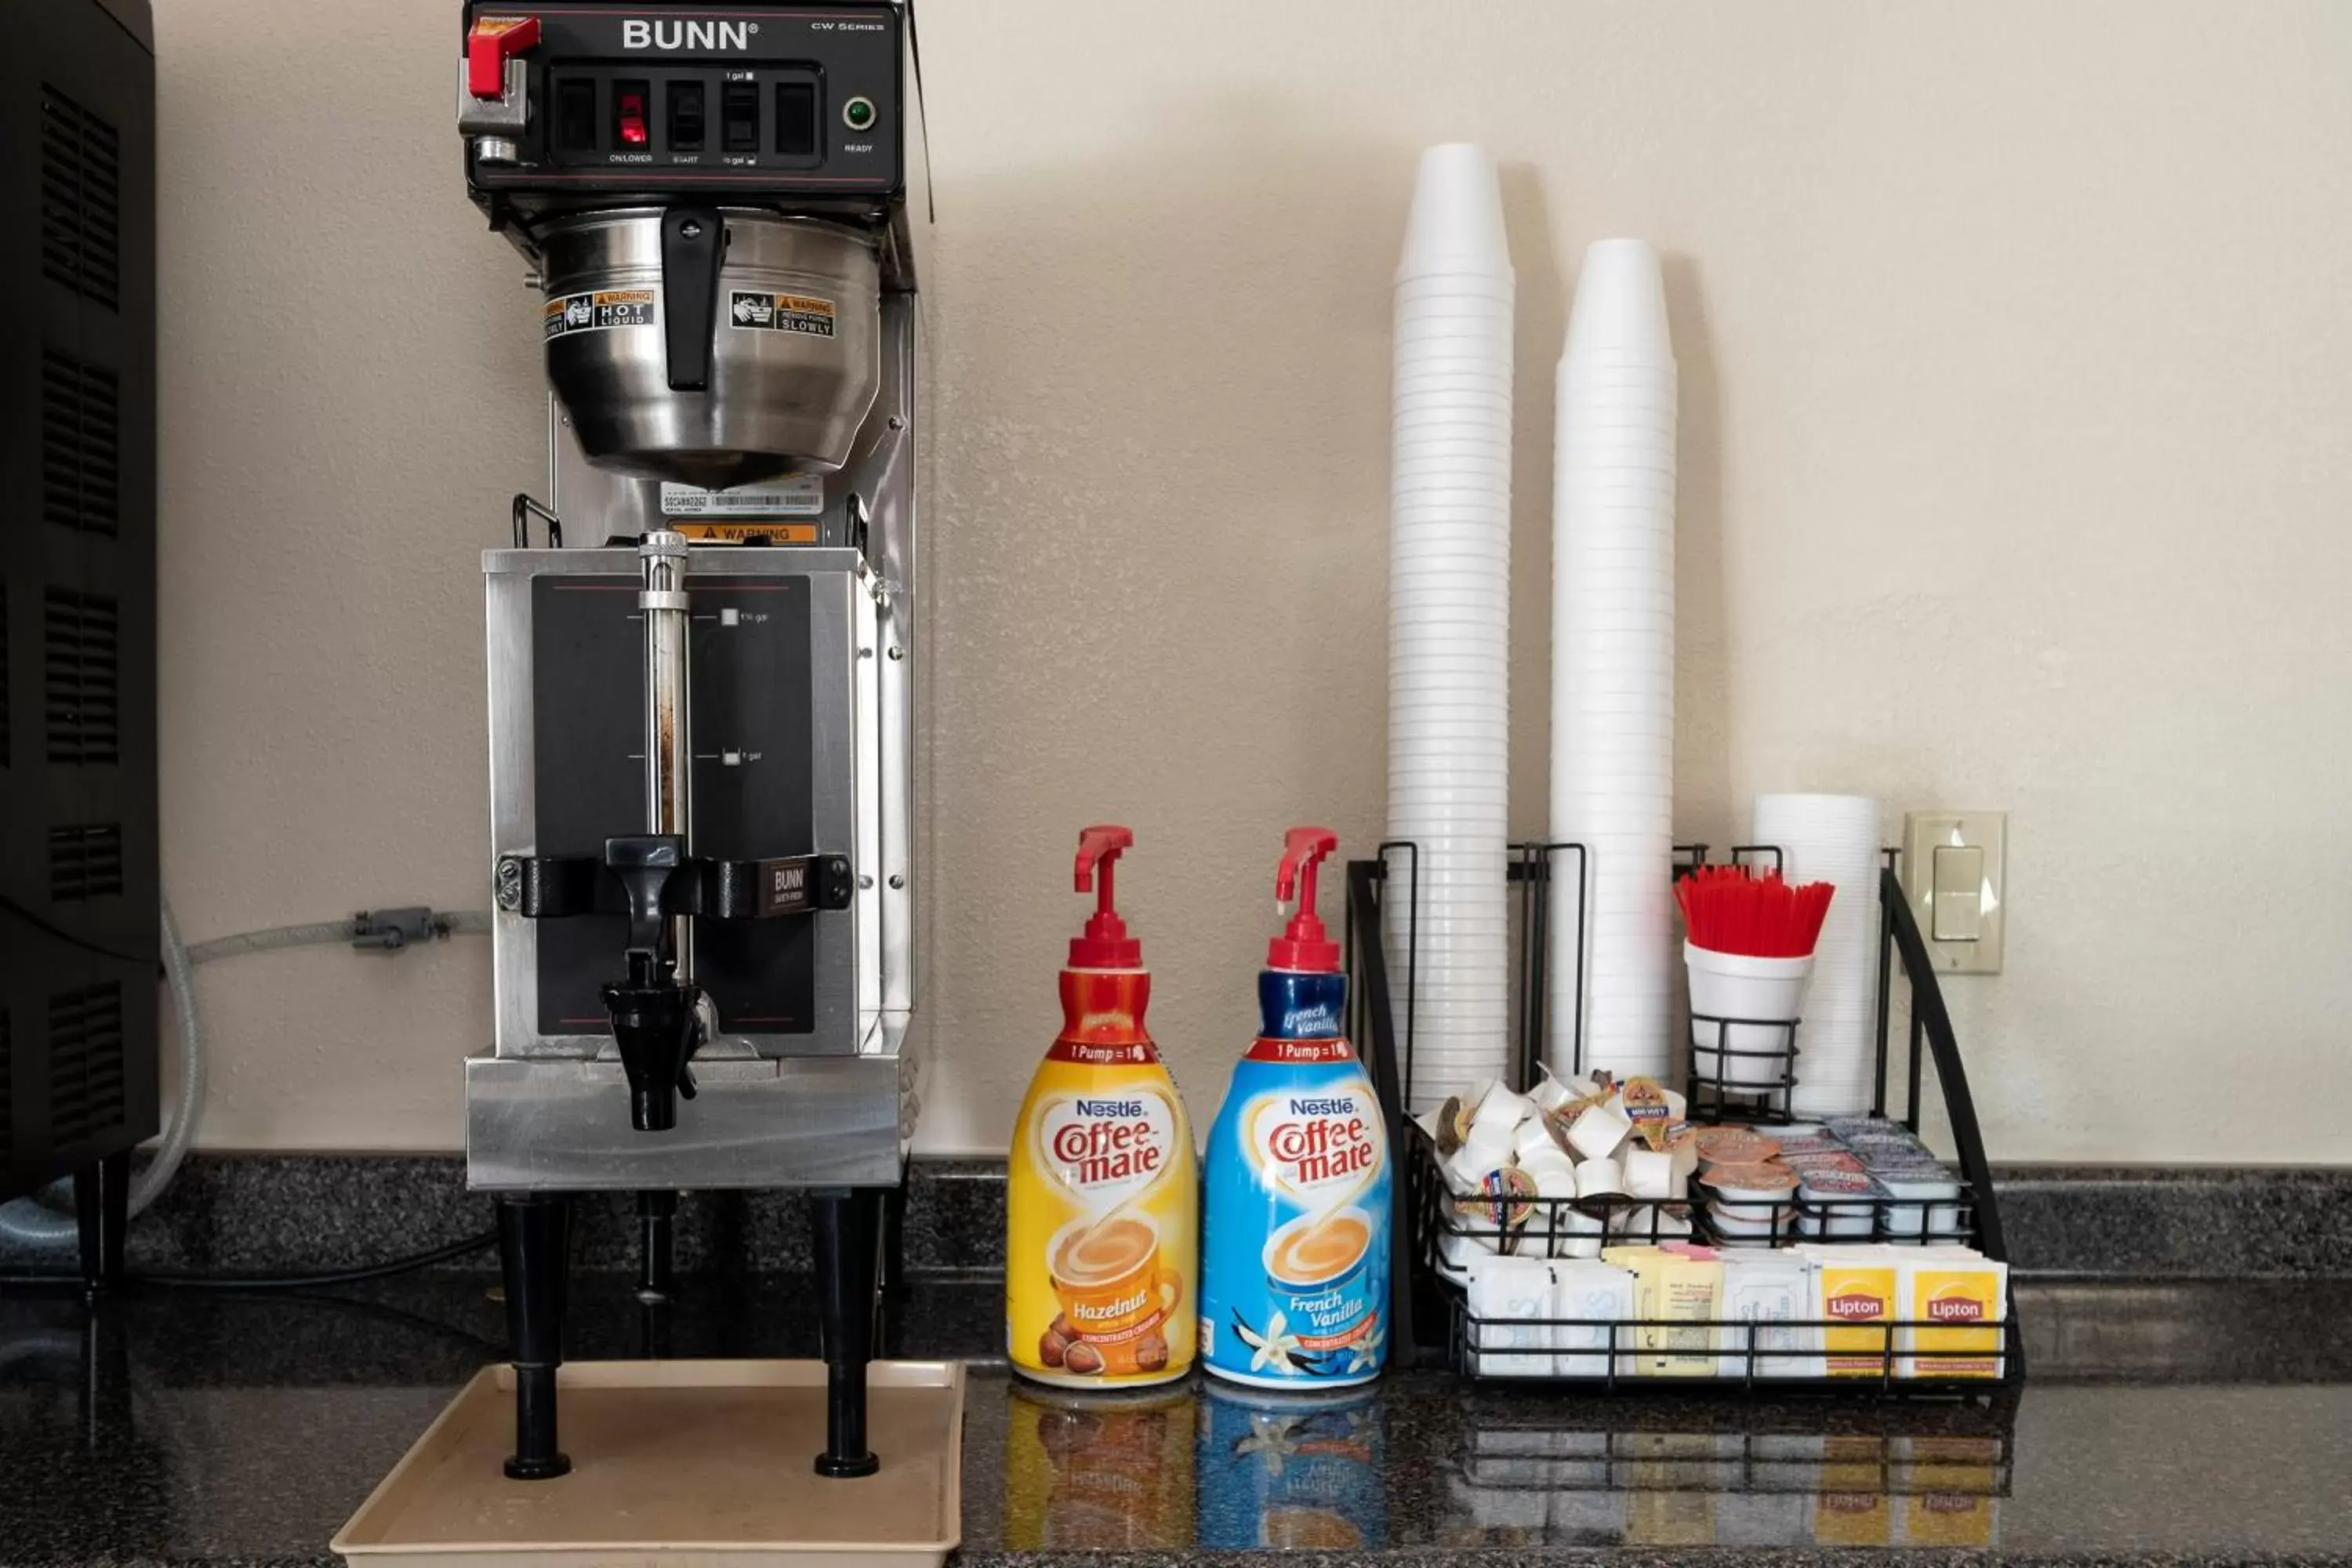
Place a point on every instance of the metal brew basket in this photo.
(712, 347)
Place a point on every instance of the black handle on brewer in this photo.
(645, 864)
(692, 240)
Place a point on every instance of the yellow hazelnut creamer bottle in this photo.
(1102, 1245)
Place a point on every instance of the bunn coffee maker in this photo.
(701, 686)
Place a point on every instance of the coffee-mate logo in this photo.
(1310, 1142)
(1105, 1146)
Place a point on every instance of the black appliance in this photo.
(79, 927)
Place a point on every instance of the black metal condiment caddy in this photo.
(1430, 1321)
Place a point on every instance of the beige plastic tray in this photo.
(678, 1464)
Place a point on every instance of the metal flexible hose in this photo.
(36, 1221)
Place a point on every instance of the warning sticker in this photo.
(745, 532)
(603, 308)
(800, 497)
(763, 313)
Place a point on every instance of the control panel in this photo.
(597, 99)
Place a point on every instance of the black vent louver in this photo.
(86, 1065)
(85, 863)
(81, 192)
(81, 429)
(80, 646)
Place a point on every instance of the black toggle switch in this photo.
(797, 119)
(575, 116)
(739, 117)
(686, 117)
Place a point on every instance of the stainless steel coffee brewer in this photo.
(702, 688)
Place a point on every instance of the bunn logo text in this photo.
(637, 33)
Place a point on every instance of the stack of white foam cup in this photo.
(1613, 669)
(1449, 628)
(1833, 838)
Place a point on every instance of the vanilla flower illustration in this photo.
(1365, 1354)
(1275, 1346)
(1271, 1437)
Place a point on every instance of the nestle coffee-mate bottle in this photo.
(1101, 1269)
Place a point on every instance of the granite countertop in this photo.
(2179, 1424)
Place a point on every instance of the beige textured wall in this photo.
(2014, 360)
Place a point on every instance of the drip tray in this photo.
(706, 1463)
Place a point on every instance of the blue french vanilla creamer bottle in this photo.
(1295, 1241)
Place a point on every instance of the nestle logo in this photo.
(637, 33)
(1955, 1310)
(1109, 1107)
(1856, 1305)
(1322, 1106)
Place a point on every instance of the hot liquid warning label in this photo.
(764, 313)
(605, 308)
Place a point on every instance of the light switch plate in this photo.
(1955, 872)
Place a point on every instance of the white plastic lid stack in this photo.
(1833, 838)
(1614, 668)
(1449, 627)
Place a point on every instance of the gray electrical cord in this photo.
(328, 933)
(33, 1222)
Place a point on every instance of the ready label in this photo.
(765, 312)
(603, 310)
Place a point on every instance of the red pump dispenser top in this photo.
(1106, 945)
(1303, 944)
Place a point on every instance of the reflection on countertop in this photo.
(2186, 1423)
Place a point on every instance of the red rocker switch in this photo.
(488, 45)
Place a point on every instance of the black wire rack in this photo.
(1742, 1084)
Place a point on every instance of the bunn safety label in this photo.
(746, 532)
(603, 310)
(765, 312)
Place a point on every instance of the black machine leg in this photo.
(106, 1407)
(848, 1227)
(103, 1213)
(535, 1255)
(890, 1331)
(657, 1271)
(656, 1236)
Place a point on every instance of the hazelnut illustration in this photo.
(1051, 1348)
(1082, 1357)
(1152, 1353)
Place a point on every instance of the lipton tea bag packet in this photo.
(1952, 1305)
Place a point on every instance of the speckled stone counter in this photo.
(248, 1214)
(2185, 1423)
